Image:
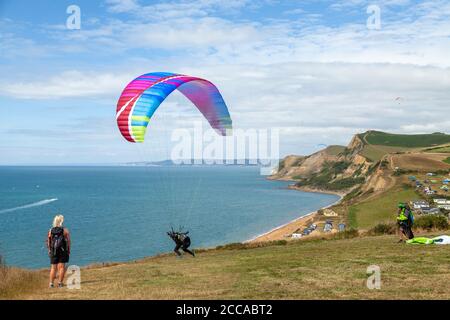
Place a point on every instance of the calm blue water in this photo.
(122, 213)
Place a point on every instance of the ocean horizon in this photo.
(122, 213)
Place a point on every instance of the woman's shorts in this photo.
(59, 257)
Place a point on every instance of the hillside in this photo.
(373, 177)
(368, 162)
(316, 269)
(405, 140)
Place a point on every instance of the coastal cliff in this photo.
(369, 164)
(336, 168)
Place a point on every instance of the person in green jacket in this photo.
(405, 222)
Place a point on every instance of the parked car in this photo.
(327, 227)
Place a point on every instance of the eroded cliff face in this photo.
(333, 167)
(295, 167)
(303, 167)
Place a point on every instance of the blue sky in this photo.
(312, 68)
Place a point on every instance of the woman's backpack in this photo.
(58, 241)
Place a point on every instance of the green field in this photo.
(335, 150)
(313, 269)
(376, 152)
(366, 215)
(447, 160)
(445, 149)
(372, 153)
(408, 141)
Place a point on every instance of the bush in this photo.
(347, 234)
(345, 183)
(429, 222)
(383, 228)
(251, 245)
(352, 194)
(232, 246)
(281, 165)
(384, 164)
(372, 168)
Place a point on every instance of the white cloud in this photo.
(66, 85)
(320, 83)
(177, 9)
(416, 34)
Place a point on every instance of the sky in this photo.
(312, 69)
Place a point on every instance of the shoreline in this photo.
(280, 232)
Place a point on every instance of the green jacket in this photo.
(403, 215)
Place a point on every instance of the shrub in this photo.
(250, 245)
(345, 183)
(281, 165)
(383, 228)
(372, 168)
(347, 234)
(384, 164)
(232, 246)
(340, 166)
(352, 194)
(429, 222)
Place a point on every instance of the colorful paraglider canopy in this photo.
(142, 96)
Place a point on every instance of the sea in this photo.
(123, 213)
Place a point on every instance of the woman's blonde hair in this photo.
(58, 221)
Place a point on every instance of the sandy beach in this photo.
(284, 231)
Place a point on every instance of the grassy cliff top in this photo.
(405, 140)
(313, 269)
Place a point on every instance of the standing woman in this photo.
(58, 244)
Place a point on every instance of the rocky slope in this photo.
(335, 168)
(363, 167)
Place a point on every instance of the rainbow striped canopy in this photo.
(142, 96)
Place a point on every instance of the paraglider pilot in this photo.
(182, 241)
(405, 220)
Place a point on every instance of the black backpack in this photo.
(58, 241)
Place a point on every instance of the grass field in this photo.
(314, 269)
(372, 153)
(377, 152)
(447, 160)
(367, 214)
(422, 162)
(445, 149)
(408, 141)
(335, 150)
(15, 283)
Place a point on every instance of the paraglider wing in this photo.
(142, 96)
